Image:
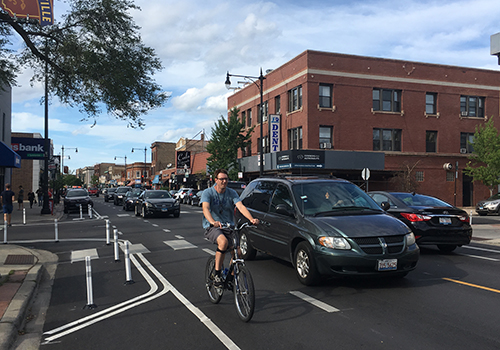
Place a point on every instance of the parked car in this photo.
(120, 194)
(433, 221)
(76, 197)
(325, 227)
(489, 206)
(155, 202)
(130, 199)
(189, 195)
(196, 199)
(109, 194)
(238, 186)
(93, 191)
(180, 194)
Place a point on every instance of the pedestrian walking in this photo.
(20, 198)
(39, 194)
(7, 198)
(31, 198)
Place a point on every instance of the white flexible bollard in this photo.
(88, 275)
(90, 211)
(107, 232)
(128, 269)
(24, 216)
(81, 212)
(5, 232)
(56, 231)
(470, 218)
(117, 252)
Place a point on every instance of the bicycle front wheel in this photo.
(244, 293)
(214, 293)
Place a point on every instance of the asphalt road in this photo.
(449, 301)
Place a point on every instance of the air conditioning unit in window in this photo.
(464, 113)
(463, 150)
(325, 145)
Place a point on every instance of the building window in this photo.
(295, 138)
(386, 100)
(419, 176)
(266, 144)
(277, 104)
(263, 110)
(431, 141)
(450, 176)
(243, 118)
(325, 96)
(137, 174)
(325, 137)
(295, 99)
(387, 140)
(249, 118)
(249, 150)
(430, 103)
(472, 106)
(466, 142)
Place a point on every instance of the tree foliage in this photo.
(405, 179)
(94, 57)
(484, 162)
(228, 136)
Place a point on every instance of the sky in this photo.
(198, 41)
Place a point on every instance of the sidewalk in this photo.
(21, 271)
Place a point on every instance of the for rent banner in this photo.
(42, 10)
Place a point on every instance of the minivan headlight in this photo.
(410, 239)
(335, 243)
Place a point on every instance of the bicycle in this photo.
(241, 284)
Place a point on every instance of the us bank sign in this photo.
(275, 132)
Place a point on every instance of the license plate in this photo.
(445, 221)
(387, 264)
(164, 210)
(481, 207)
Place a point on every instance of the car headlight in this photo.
(492, 206)
(176, 203)
(149, 205)
(335, 243)
(410, 239)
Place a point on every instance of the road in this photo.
(449, 301)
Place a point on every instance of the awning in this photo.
(156, 180)
(9, 158)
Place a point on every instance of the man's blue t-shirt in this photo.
(7, 197)
(221, 205)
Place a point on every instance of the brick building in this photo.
(338, 114)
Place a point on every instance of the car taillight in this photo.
(464, 218)
(415, 217)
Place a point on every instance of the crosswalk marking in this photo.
(179, 244)
(79, 255)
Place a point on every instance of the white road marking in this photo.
(122, 215)
(482, 249)
(315, 302)
(79, 255)
(166, 230)
(155, 225)
(179, 244)
(480, 257)
(209, 251)
(179, 237)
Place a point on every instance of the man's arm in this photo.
(208, 215)
(243, 210)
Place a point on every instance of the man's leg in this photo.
(219, 256)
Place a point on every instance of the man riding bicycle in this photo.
(218, 204)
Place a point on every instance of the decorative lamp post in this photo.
(145, 152)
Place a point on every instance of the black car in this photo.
(120, 194)
(238, 186)
(196, 199)
(109, 194)
(76, 198)
(325, 227)
(189, 195)
(130, 198)
(433, 221)
(156, 202)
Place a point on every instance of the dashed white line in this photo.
(315, 302)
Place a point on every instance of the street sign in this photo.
(365, 174)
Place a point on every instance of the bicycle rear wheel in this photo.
(244, 293)
(214, 293)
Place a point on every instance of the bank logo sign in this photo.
(28, 148)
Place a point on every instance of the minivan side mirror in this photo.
(385, 205)
(283, 210)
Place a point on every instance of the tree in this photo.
(227, 138)
(94, 57)
(484, 162)
(405, 179)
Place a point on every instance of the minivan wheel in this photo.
(247, 251)
(305, 266)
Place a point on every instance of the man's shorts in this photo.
(213, 232)
(7, 208)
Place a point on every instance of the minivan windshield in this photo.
(324, 197)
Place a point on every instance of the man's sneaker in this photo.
(218, 281)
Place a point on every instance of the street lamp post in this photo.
(261, 90)
(145, 152)
(62, 157)
(125, 166)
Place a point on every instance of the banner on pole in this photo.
(41, 10)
